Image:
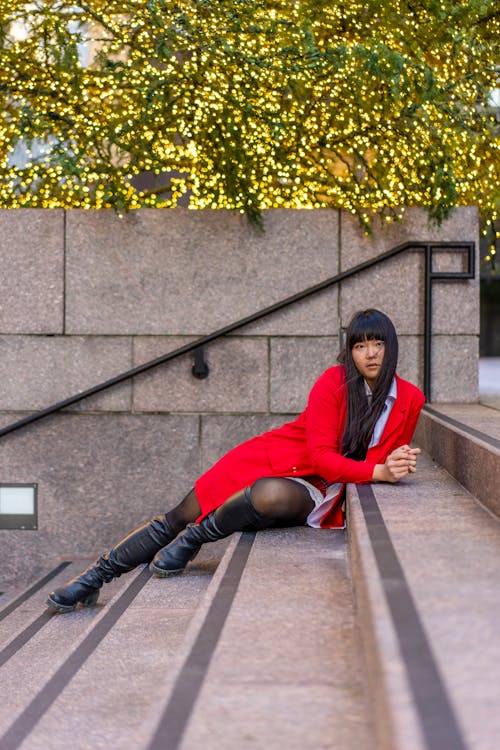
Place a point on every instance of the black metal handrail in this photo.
(430, 276)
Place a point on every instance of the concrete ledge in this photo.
(452, 436)
(395, 719)
(446, 549)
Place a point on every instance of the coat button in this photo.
(294, 468)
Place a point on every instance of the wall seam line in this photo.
(64, 279)
(339, 286)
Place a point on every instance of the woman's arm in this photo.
(325, 420)
(403, 460)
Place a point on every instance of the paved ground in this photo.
(489, 381)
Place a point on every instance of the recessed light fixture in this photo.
(18, 506)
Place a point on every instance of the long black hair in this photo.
(367, 325)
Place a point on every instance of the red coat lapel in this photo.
(396, 418)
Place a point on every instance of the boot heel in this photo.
(163, 567)
(162, 573)
(90, 600)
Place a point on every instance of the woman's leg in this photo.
(186, 512)
(271, 501)
(285, 502)
(138, 547)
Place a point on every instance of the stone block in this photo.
(315, 314)
(411, 359)
(296, 363)
(357, 247)
(37, 371)
(237, 381)
(455, 306)
(98, 476)
(221, 433)
(189, 272)
(32, 263)
(454, 374)
(396, 287)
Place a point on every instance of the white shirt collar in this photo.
(393, 391)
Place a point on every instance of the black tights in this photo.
(186, 512)
(280, 501)
(285, 502)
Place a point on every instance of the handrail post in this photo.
(427, 321)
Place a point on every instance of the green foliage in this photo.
(367, 106)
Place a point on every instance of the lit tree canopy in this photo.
(369, 106)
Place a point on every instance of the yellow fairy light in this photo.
(250, 105)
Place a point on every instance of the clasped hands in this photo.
(398, 464)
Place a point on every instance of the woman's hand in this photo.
(398, 464)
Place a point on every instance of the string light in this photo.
(368, 106)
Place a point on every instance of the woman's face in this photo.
(368, 357)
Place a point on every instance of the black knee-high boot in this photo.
(235, 515)
(136, 548)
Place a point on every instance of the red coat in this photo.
(311, 445)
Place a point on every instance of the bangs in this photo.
(369, 326)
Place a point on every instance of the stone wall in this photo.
(87, 295)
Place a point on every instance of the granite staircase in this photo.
(382, 637)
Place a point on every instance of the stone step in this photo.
(86, 678)
(465, 440)
(286, 669)
(263, 652)
(425, 557)
(256, 644)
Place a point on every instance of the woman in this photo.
(359, 420)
